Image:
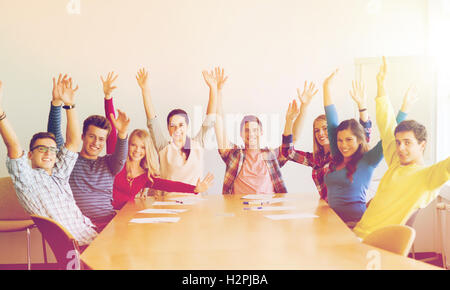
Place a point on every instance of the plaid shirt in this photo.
(50, 195)
(321, 164)
(234, 158)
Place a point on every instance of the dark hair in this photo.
(250, 118)
(97, 121)
(177, 112)
(358, 131)
(419, 130)
(41, 135)
(187, 146)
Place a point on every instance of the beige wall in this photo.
(267, 47)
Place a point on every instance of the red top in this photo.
(124, 190)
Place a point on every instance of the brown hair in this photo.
(317, 148)
(360, 135)
(250, 118)
(41, 135)
(97, 121)
(419, 130)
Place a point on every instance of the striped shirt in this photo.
(50, 195)
(92, 182)
(234, 159)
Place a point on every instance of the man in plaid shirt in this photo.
(249, 169)
(43, 188)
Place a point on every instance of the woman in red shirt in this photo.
(142, 166)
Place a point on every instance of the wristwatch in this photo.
(68, 107)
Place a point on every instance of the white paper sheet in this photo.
(291, 216)
(175, 202)
(155, 220)
(266, 201)
(258, 196)
(162, 210)
(269, 208)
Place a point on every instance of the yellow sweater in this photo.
(403, 189)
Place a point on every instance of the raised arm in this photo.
(143, 82)
(330, 112)
(108, 88)
(54, 118)
(292, 114)
(117, 159)
(215, 81)
(327, 99)
(358, 94)
(305, 98)
(211, 109)
(9, 136)
(386, 120)
(73, 132)
(158, 137)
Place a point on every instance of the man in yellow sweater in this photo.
(408, 184)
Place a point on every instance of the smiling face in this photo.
(347, 143)
(94, 140)
(408, 148)
(177, 127)
(45, 160)
(136, 149)
(321, 132)
(251, 133)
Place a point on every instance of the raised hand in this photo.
(66, 92)
(57, 86)
(381, 77)
(292, 112)
(210, 79)
(220, 77)
(410, 98)
(308, 93)
(121, 123)
(326, 88)
(203, 186)
(108, 84)
(358, 94)
(142, 79)
(329, 80)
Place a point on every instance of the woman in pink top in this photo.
(141, 167)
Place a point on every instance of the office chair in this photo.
(62, 243)
(13, 217)
(396, 238)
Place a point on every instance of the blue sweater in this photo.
(348, 198)
(92, 181)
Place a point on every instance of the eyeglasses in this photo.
(45, 149)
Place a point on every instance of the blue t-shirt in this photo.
(348, 198)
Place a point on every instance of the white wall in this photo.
(267, 47)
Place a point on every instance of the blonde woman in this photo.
(142, 167)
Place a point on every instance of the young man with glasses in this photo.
(43, 188)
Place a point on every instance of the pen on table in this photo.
(256, 202)
(253, 208)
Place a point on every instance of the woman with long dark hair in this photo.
(351, 169)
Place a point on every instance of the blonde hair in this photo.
(317, 148)
(150, 161)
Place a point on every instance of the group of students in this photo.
(82, 190)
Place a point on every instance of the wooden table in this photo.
(217, 233)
